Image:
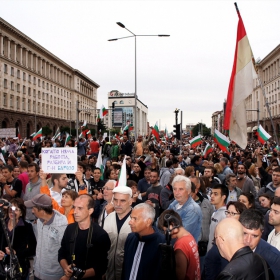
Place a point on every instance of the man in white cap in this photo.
(117, 226)
(50, 226)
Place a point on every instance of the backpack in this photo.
(107, 149)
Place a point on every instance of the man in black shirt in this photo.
(91, 243)
(10, 185)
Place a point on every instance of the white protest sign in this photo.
(59, 160)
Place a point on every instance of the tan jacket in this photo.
(116, 252)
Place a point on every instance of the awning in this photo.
(249, 129)
(255, 128)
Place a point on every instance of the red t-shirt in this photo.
(24, 179)
(94, 147)
(188, 246)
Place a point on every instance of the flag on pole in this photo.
(32, 134)
(240, 87)
(196, 141)
(89, 134)
(103, 111)
(19, 136)
(128, 126)
(122, 175)
(221, 140)
(38, 134)
(57, 134)
(99, 164)
(155, 131)
(263, 136)
(81, 135)
(208, 149)
(84, 124)
(68, 138)
(2, 158)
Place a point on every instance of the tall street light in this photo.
(135, 36)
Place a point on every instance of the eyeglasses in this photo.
(106, 188)
(231, 213)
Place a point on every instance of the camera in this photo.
(77, 273)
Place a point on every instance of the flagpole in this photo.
(268, 110)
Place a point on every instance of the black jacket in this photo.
(24, 244)
(245, 265)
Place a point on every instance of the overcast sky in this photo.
(190, 70)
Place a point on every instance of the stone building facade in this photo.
(38, 89)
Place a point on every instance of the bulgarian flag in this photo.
(89, 134)
(221, 140)
(103, 111)
(32, 134)
(68, 138)
(263, 136)
(38, 134)
(84, 124)
(81, 135)
(128, 126)
(99, 164)
(208, 149)
(155, 131)
(19, 136)
(196, 141)
(57, 134)
(240, 87)
(117, 136)
(122, 175)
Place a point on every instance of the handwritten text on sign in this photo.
(59, 160)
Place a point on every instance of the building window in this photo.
(6, 68)
(39, 82)
(5, 83)
(121, 102)
(17, 105)
(23, 104)
(23, 89)
(18, 74)
(11, 101)
(43, 96)
(34, 92)
(43, 84)
(29, 105)
(23, 76)
(51, 88)
(38, 107)
(29, 78)
(34, 80)
(47, 86)
(12, 71)
(39, 94)
(5, 99)
(34, 106)
(18, 87)
(12, 85)
(54, 89)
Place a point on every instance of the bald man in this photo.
(243, 263)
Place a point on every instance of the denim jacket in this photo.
(191, 216)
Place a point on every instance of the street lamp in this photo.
(134, 35)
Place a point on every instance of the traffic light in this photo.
(177, 131)
(113, 105)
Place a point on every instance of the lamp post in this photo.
(135, 65)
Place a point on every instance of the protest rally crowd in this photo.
(159, 209)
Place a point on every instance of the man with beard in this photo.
(274, 219)
(272, 186)
(153, 192)
(243, 181)
(126, 146)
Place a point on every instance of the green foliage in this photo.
(197, 128)
(46, 130)
(65, 129)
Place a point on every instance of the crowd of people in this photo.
(181, 214)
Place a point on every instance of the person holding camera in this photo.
(85, 245)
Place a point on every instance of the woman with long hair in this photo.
(24, 241)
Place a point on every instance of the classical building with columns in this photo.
(38, 89)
